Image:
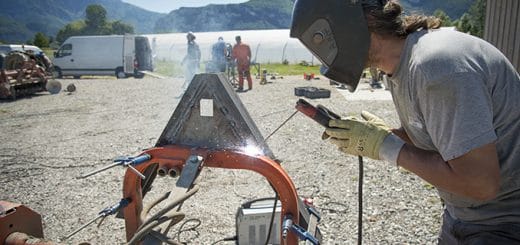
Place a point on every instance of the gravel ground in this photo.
(49, 140)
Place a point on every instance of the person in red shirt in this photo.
(242, 55)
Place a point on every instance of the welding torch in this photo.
(318, 113)
(102, 214)
(125, 162)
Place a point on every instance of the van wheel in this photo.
(138, 75)
(77, 77)
(12, 91)
(120, 73)
(56, 72)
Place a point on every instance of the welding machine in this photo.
(253, 219)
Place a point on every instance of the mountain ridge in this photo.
(49, 16)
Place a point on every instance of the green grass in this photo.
(49, 52)
(290, 69)
(169, 68)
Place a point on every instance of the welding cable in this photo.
(227, 239)
(145, 230)
(171, 224)
(148, 207)
(360, 201)
(164, 238)
(172, 204)
(181, 230)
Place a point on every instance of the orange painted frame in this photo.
(174, 156)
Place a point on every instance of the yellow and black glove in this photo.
(360, 137)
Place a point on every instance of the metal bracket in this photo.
(314, 218)
(289, 225)
(189, 173)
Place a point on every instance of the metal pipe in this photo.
(162, 171)
(173, 172)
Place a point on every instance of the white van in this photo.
(117, 55)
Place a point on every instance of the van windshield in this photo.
(65, 50)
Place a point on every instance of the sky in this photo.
(165, 6)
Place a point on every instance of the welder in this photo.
(457, 100)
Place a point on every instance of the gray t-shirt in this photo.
(453, 93)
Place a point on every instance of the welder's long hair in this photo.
(388, 20)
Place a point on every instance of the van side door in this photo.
(128, 53)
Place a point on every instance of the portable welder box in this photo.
(253, 219)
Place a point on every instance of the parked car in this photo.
(117, 55)
(6, 48)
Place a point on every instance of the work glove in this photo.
(360, 137)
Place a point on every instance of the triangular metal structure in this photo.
(211, 115)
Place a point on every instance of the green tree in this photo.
(477, 11)
(445, 19)
(474, 20)
(96, 17)
(41, 40)
(95, 24)
(72, 29)
(464, 23)
(120, 28)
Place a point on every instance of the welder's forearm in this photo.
(402, 134)
(432, 168)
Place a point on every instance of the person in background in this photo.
(191, 62)
(374, 82)
(242, 55)
(457, 98)
(218, 55)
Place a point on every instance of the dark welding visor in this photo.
(336, 32)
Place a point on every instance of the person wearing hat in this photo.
(242, 55)
(457, 98)
(191, 61)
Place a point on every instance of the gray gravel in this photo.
(48, 140)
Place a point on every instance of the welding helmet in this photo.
(336, 32)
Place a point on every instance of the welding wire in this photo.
(281, 125)
(136, 171)
(81, 228)
(98, 170)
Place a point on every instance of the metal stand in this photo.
(231, 73)
(175, 156)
